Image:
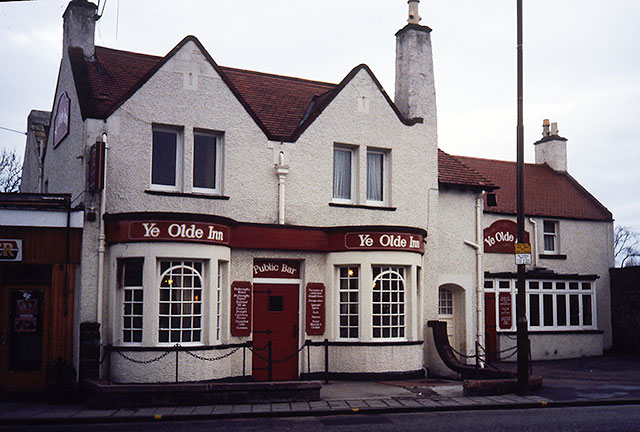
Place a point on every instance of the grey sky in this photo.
(582, 66)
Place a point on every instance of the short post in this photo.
(176, 346)
(326, 361)
(308, 344)
(270, 366)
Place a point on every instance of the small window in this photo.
(376, 175)
(166, 154)
(130, 281)
(550, 229)
(276, 303)
(343, 174)
(207, 162)
(445, 302)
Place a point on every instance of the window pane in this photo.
(561, 304)
(549, 227)
(547, 309)
(163, 170)
(341, 173)
(574, 308)
(375, 166)
(132, 270)
(587, 319)
(549, 243)
(534, 309)
(204, 161)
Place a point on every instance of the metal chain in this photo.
(462, 355)
(281, 360)
(126, 357)
(199, 357)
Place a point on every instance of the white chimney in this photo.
(552, 148)
(415, 94)
(80, 27)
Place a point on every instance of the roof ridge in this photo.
(322, 83)
(133, 53)
(497, 160)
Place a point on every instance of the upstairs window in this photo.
(207, 162)
(343, 174)
(376, 175)
(550, 229)
(166, 158)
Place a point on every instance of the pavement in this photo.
(607, 380)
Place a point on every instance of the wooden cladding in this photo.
(46, 245)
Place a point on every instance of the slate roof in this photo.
(548, 193)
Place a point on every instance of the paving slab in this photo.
(300, 406)
(203, 410)
(261, 408)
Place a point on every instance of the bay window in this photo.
(349, 293)
(388, 302)
(130, 282)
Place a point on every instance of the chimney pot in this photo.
(545, 127)
(554, 128)
(414, 15)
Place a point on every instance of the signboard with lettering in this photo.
(500, 237)
(315, 309)
(276, 268)
(523, 253)
(96, 167)
(240, 308)
(61, 122)
(10, 250)
(383, 241)
(504, 311)
(177, 231)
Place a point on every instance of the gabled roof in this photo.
(283, 107)
(452, 172)
(548, 193)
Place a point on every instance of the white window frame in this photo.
(445, 302)
(356, 276)
(219, 164)
(582, 289)
(177, 186)
(181, 263)
(385, 176)
(553, 235)
(402, 313)
(125, 301)
(353, 185)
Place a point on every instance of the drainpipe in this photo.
(479, 278)
(101, 237)
(535, 242)
(281, 171)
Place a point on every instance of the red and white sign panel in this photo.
(10, 250)
(172, 231)
(501, 236)
(504, 311)
(61, 122)
(383, 241)
(240, 308)
(315, 309)
(276, 268)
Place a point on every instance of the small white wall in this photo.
(556, 346)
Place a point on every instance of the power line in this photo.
(13, 130)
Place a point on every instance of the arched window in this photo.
(180, 317)
(388, 302)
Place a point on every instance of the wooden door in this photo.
(23, 342)
(275, 321)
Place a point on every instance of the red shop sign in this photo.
(276, 268)
(240, 308)
(315, 309)
(504, 310)
(198, 232)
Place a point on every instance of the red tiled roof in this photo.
(452, 171)
(278, 103)
(547, 192)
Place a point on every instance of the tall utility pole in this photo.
(521, 318)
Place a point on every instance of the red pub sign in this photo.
(315, 309)
(383, 241)
(158, 230)
(501, 236)
(276, 268)
(240, 308)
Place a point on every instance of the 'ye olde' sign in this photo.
(276, 268)
(315, 309)
(504, 310)
(10, 250)
(240, 308)
(180, 231)
(383, 241)
(501, 236)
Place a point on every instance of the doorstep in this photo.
(101, 394)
